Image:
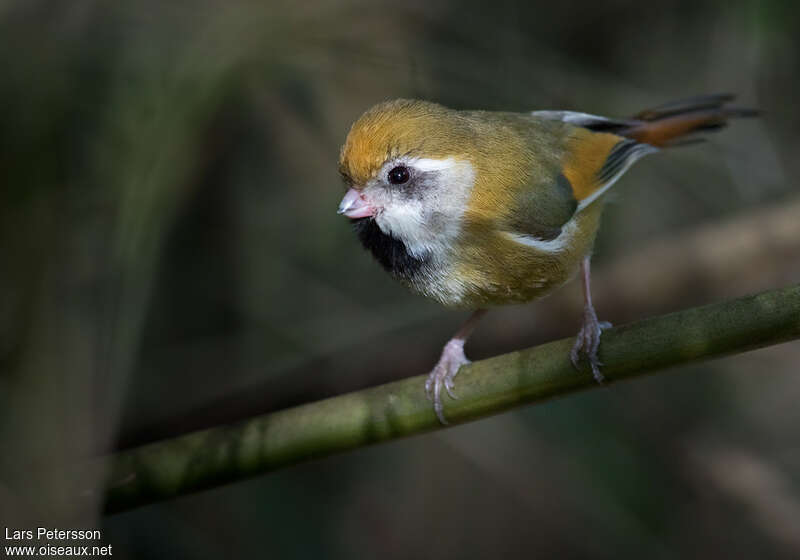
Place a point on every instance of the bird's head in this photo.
(408, 176)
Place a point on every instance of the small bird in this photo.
(477, 208)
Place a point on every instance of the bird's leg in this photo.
(451, 360)
(588, 339)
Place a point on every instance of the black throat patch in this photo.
(388, 250)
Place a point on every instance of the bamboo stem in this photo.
(224, 454)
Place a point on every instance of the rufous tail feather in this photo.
(670, 124)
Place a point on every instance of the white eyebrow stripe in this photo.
(430, 164)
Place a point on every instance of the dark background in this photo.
(171, 259)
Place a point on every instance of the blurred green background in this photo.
(171, 259)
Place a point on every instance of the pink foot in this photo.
(442, 375)
(588, 341)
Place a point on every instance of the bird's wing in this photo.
(595, 151)
(587, 165)
(593, 161)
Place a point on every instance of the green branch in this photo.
(216, 456)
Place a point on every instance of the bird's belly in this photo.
(496, 269)
(516, 284)
(502, 283)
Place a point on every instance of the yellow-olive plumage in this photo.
(517, 160)
(479, 208)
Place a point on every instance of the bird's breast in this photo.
(490, 267)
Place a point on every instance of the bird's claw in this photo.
(442, 376)
(449, 385)
(588, 341)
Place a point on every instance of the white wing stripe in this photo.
(550, 246)
(633, 155)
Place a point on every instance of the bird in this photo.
(477, 209)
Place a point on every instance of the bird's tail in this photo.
(674, 123)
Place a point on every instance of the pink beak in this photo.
(354, 205)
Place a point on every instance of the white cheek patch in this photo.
(405, 221)
(430, 219)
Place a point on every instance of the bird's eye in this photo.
(399, 175)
